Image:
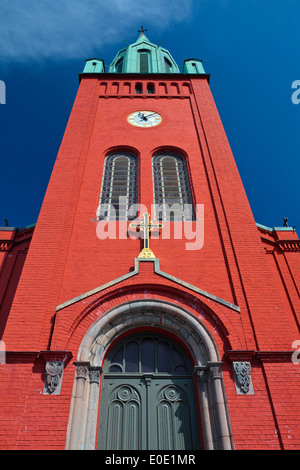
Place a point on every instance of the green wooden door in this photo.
(148, 397)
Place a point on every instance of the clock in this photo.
(144, 119)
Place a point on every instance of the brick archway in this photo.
(167, 317)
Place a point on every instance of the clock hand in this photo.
(149, 115)
(142, 116)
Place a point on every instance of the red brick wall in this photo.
(14, 246)
(29, 419)
(66, 259)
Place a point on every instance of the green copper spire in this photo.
(143, 57)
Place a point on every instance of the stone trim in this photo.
(157, 271)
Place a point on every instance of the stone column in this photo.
(76, 428)
(203, 395)
(224, 433)
(92, 411)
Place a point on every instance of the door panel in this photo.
(148, 397)
(148, 413)
(174, 415)
(121, 417)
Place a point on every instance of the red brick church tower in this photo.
(152, 311)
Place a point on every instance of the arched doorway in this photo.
(148, 315)
(148, 396)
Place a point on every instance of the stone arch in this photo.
(167, 317)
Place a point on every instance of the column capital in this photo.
(215, 369)
(95, 374)
(82, 369)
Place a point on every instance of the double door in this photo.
(148, 396)
(148, 411)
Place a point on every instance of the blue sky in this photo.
(250, 48)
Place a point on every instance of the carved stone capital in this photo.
(82, 369)
(215, 370)
(201, 372)
(95, 374)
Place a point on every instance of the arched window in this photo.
(172, 193)
(119, 187)
(119, 65)
(138, 89)
(148, 353)
(144, 60)
(168, 66)
(150, 89)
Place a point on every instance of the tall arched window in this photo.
(119, 187)
(172, 193)
(138, 89)
(119, 65)
(168, 66)
(144, 61)
(150, 88)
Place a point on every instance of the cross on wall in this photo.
(146, 226)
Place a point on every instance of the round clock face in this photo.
(144, 119)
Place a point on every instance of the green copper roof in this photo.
(143, 57)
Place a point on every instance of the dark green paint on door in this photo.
(148, 397)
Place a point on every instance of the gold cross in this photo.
(146, 226)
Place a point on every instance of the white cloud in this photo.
(56, 29)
